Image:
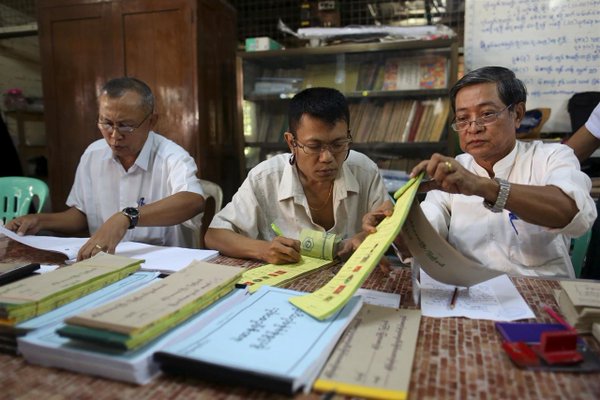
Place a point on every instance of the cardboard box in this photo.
(261, 44)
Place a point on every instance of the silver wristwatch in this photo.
(502, 196)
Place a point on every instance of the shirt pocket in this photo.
(534, 246)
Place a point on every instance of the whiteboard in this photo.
(553, 46)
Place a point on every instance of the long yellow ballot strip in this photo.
(324, 302)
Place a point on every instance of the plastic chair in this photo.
(212, 205)
(579, 247)
(16, 194)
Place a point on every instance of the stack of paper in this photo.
(8, 334)
(39, 294)
(374, 356)
(579, 302)
(45, 347)
(134, 320)
(264, 342)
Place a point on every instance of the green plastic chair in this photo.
(579, 247)
(16, 194)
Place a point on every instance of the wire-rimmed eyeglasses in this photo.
(338, 146)
(122, 129)
(486, 119)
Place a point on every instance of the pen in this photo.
(276, 229)
(453, 299)
(511, 218)
(141, 202)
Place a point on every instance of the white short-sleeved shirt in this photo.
(272, 192)
(490, 239)
(102, 187)
(593, 122)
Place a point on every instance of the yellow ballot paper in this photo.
(277, 275)
(317, 249)
(324, 302)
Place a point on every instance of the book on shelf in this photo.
(264, 342)
(580, 303)
(134, 320)
(45, 347)
(367, 75)
(36, 295)
(428, 72)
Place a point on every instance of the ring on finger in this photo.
(99, 247)
(448, 165)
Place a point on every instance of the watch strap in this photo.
(503, 193)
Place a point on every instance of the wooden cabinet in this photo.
(185, 51)
(397, 94)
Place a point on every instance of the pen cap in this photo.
(318, 244)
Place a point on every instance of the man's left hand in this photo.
(106, 238)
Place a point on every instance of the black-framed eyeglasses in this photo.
(486, 119)
(335, 147)
(122, 129)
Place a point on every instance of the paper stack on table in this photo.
(39, 294)
(579, 302)
(140, 317)
(263, 342)
(45, 347)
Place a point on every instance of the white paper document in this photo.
(496, 299)
(377, 298)
(157, 258)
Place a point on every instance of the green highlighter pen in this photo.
(276, 229)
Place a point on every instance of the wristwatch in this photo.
(133, 214)
(502, 197)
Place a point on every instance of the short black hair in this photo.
(117, 87)
(325, 104)
(511, 90)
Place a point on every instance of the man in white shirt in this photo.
(322, 185)
(512, 206)
(133, 184)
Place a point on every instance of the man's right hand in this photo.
(282, 250)
(26, 225)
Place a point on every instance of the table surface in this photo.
(455, 357)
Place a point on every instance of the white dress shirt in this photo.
(490, 239)
(102, 187)
(272, 192)
(593, 122)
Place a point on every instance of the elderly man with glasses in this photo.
(320, 185)
(133, 184)
(510, 205)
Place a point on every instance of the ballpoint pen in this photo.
(511, 218)
(453, 299)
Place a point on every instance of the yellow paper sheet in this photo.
(277, 275)
(327, 300)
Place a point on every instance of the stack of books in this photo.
(580, 304)
(136, 319)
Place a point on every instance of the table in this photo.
(455, 357)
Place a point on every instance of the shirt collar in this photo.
(143, 159)
(502, 168)
(290, 186)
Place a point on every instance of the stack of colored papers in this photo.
(264, 342)
(39, 294)
(134, 320)
(45, 347)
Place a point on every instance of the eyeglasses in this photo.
(122, 129)
(339, 146)
(486, 119)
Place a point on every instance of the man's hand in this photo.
(26, 225)
(281, 250)
(349, 246)
(106, 238)
(448, 175)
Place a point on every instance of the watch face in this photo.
(132, 212)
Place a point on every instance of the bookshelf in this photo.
(397, 94)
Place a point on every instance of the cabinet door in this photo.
(156, 38)
(77, 54)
